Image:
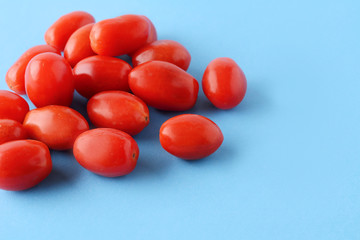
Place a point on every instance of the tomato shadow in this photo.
(79, 104)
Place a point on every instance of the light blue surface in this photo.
(289, 167)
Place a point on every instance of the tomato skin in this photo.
(163, 50)
(153, 33)
(106, 151)
(119, 110)
(12, 106)
(224, 83)
(15, 76)
(23, 164)
(56, 126)
(78, 46)
(101, 73)
(58, 34)
(190, 136)
(120, 35)
(11, 130)
(49, 80)
(164, 86)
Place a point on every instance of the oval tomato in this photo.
(23, 164)
(107, 152)
(163, 50)
(101, 73)
(120, 110)
(12, 106)
(190, 136)
(164, 86)
(56, 126)
(58, 33)
(15, 76)
(11, 130)
(78, 46)
(49, 80)
(224, 83)
(120, 35)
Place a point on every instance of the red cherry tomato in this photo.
(15, 76)
(49, 80)
(78, 46)
(164, 86)
(163, 50)
(120, 35)
(152, 34)
(23, 164)
(11, 130)
(224, 83)
(120, 110)
(58, 33)
(56, 126)
(190, 136)
(101, 73)
(107, 152)
(12, 106)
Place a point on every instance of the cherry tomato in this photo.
(23, 164)
(78, 46)
(12, 106)
(56, 126)
(11, 130)
(224, 83)
(49, 80)
(58, 33)
(163, 50)
(120, 110)
(106, 151)
(152, 34)
(190, 136)
(100, 73)
(164, 86)
(15, 76)
(120, 35)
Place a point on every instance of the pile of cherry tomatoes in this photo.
(119, 95)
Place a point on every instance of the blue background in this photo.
(289, 167)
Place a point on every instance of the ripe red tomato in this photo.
(58, 33)
(106, 151)
(49, 80)
(15, 76)
(163, 50)
(164, 86)
(56, 126)
(224, 83)
(12, 106)
(78, 46)
(11, 130)
(120, 110)
(190, 136)
(23, 164)
(120, 35)
(152, 34)
(101, 73)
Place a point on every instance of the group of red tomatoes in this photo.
(158, 78)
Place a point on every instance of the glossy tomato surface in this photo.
(224, 83)
(15, 76)
(101, 73)
(12, 106)
(78, 46)
(106, 151)
(163, 50)
(164, 86)
(23, 164)
(49, 80)
(120, 110)
(120, 35)
(190, 136)
(11, 130)
(56, 126)
(59, 33)
(153, 33)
